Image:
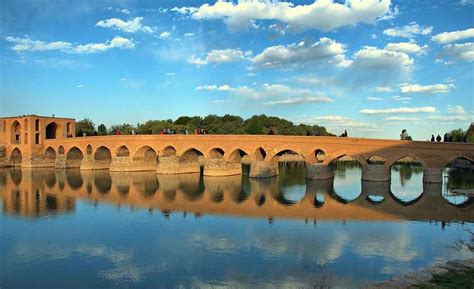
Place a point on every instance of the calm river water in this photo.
(80, 229)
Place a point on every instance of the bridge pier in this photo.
(433, 189)
(127, 164)
(375, 188)
(60, 162)
(319, 171)
(177, 165)
(375, 173)
(263, 169)
(432, 175)
(220, 167)
(89, 163)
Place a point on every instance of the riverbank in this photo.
(457, 274)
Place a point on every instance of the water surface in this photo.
(82, 229)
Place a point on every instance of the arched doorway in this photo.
(16, 133)
(51, 130)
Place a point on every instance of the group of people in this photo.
(184, 131)
(446, 138)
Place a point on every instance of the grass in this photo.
(450, 280)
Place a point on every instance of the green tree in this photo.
(85, 126)
(102, 130)
(458, 135)
(254, 127)
(470, 133)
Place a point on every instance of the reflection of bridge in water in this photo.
(34, 193)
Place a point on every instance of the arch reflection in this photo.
(22, 191)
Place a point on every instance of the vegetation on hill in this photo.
(213, 124)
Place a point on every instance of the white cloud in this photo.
(398, 118)
(407, 47)
(456, 109)
(323, 15)
(131, 26)
(336, 122)
(300, 100)
(466, 2)
(400, 98)
(374, 98)
(220, 100)
(184, 10)
(325, 49)
(123, 79)
(408, 31)
(217, 56)
(447, 37)
(461, 52)
(207, 87)
(224, 87)
(425, 109)
(116, 42)
(26, 44)
(125, 11)
(382, 89)
(274, 93)
(381, 59)
(80, 86)
(165, 34)
(314, 80)
(188, 34)
(434, 88)
(170, 73)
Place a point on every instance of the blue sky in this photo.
(372, 67)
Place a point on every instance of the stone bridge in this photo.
(222, 154)
(33, 193)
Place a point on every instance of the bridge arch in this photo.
(74, 157)
(146, 154)
(407, 179)
(60, 150)
(102, 157)
(235, 155)
(347, 169)
(319, 155)
(376, 160)
(334, 157)
(49, 156)
(190, 154)
(216, 153)
(122, 151)
(89, 149)
(16, 132)
(16, 157)
(168, 151)
(457, 178)
(285, 151)
(390, 162)
(259, 154)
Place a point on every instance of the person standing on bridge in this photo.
(432, 138)
(196, 131)
(438, 138)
